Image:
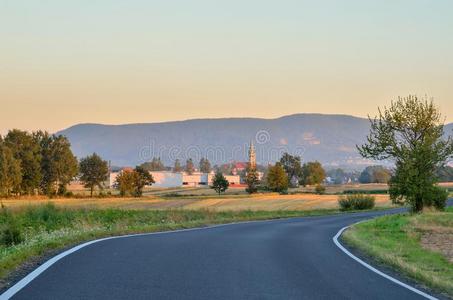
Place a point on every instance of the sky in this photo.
(116, 62)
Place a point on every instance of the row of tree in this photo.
(41, 163)
(157, 165)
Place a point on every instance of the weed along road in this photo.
(280, 259)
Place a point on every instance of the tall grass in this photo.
(356, 202)
(36, 230)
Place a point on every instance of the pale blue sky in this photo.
(146, 61)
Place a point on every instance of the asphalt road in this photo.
(280, 259)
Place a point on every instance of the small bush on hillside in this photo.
(356, 202)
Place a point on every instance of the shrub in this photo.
(10, 231)
(320, 189)
(436, 197)
(356, 202)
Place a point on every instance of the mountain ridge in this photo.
(329, 138)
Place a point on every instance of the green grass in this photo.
(395, 241)
(47, 228)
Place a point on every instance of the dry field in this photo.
(268, 201)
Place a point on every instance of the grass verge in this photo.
(397, 241)
(39, 230)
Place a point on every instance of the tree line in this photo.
(41, 163)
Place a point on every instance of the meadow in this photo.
(419, 246)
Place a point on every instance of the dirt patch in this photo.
(439, 240)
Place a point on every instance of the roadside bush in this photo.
(356, 202)
(10, 231)
(437, 197)
(366, 191)
(320, 189)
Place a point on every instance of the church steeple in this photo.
(252, 156)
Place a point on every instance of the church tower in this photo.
(252, 156)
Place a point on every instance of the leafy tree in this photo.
(277, 180)
(142, 179)
(58, 164)
(27, 151)
(292, 166)
(205, 165)
(220, 184)
(410, 132)
(190, 168)
(126, 182)
(94, 171)
(375, 174)
(313, 173)
(10, 172)
(154, 165)
(177, 167)
(252, 180)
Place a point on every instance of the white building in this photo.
(178, 179)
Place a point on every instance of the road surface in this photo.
(280, 259)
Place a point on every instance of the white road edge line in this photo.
(339, 245)
(31, 276)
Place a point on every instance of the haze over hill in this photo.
(331, 139)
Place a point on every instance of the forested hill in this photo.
(330, 139)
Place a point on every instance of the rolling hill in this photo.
(330, 139)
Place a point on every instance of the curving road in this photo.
(280, 259)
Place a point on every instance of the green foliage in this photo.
(312, 173)
(375, 174)
(277, 180)
(10, 231)
(365, 191)
(93, 172)
(436, 197)
(125, 182)
(410, 133)
(251, 180)
(58, 165)
(205, 165)
(220, 184)
(142, 178)
(27, 151)
(190, 167)
(154, 165)
(356, 202)
(292, 166)
(320, 189)
(10, 172)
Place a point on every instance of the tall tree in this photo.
(26, 149)
(58, 164)
(125, 182)
(277, 180)
(220, 184)
(142, 179)
(375, 174)
(410, 132)
(93, 172)
(313, 173)
(205, 165)
(252, 180)
(10, 172)
(177, 167)
(189, 168)
(292, 166)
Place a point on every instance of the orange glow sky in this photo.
(68, 62)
